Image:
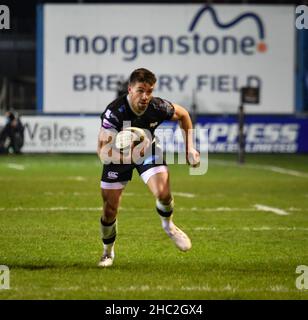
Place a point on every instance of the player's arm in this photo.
(105, 138)
(182, 116)
(106, 151)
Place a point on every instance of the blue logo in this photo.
(248, 15)
(122, 108)
(150, 159)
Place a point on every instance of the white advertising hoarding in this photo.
(74, 134)
(59, 134)
(200, 51)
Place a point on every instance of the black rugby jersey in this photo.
(119, 111)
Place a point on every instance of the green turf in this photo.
(50, 238)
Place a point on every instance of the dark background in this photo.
(18, 45)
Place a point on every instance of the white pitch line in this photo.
(228, 209)
(16, 166)
(275, 169)
(184, 194)
(132, 194)
(278, 211)
(50, 209)
(62, 193)
(179, 194)
(77, 178)
(294, 209)
(126, 194)
(204, 288)
(217, 209)
(288, 171)
(264, 228)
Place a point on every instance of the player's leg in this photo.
(157, 179)
(113, 182)
(111, 203)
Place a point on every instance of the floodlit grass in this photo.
(50, 235)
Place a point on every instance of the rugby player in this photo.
(146, 112)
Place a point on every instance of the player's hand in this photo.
(193, 157)
(141, 149)
(144, 146)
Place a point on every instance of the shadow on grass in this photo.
(143, 266)
(119, 265)
(49, 266)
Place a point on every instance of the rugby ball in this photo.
(129, 137)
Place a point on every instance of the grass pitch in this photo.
(248, 225)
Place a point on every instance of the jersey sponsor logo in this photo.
(112, 175)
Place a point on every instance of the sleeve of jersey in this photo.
(110, 121)
(168, 109)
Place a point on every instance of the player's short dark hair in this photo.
(142, 75)
(10, 116)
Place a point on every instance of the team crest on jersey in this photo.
(153, 124)
(122, 108)
(110, 115)
(112, 174)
